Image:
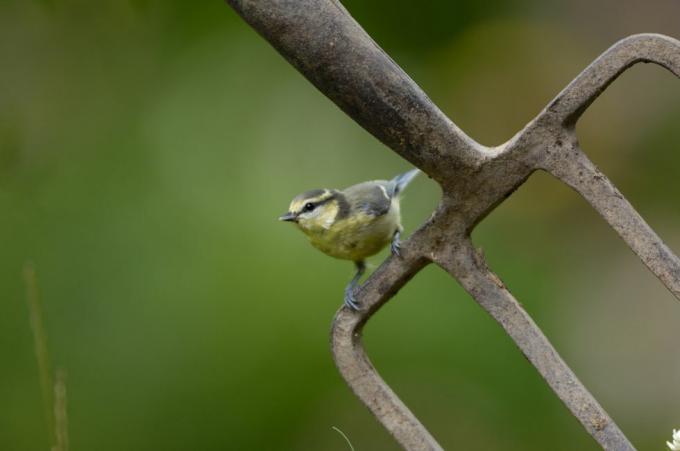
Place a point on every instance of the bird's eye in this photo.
(309, 206)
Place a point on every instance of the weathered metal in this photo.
(327, 46)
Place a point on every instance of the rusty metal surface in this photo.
(327, 46)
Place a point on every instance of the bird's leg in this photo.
(350, 300)
(395, 247)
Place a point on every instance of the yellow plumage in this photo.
(357, 237)
(352, 224)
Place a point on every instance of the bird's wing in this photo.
(370, 197)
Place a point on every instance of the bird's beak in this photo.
(290, 217)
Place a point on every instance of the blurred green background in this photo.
(147, 148)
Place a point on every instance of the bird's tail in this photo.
(401, 181)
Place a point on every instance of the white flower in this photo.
(675, 446)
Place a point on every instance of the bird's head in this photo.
(314, 210)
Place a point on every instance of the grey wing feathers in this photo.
(375, 198)
(370, 197)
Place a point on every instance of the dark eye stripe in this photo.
(343, 205)
(316, 203)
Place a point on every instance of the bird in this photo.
(353, 223)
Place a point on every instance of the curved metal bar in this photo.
(467, 265)
(322, 40)
(576, 170)
(570, 104)
(353, 363)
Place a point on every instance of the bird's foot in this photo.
(395, 247)
(350, 300)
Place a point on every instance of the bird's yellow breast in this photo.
(358, 236)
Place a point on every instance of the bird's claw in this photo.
(350, 300)
(395, 247)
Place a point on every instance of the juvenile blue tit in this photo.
(352, 224)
